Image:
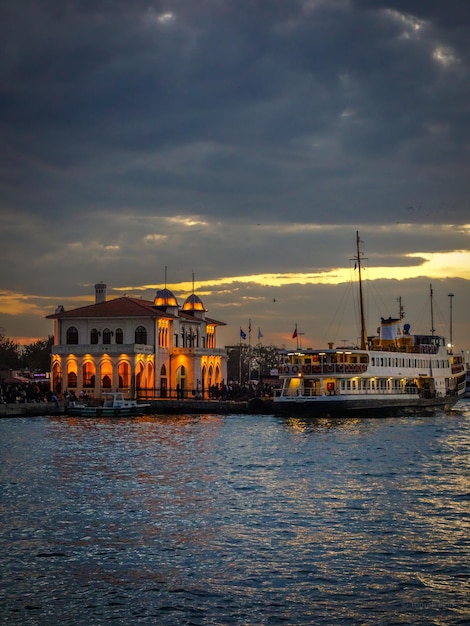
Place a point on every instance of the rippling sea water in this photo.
(242, 519)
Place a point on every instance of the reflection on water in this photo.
(235, 520)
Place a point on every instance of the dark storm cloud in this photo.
(89, 86)
(248, 121)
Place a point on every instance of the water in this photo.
(246, 520)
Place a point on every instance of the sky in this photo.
(237, 146)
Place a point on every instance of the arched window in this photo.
(94, 336)
(72, 335)
(88, 374)
(107, 336)
(72, 379)
(124, 374)
(140, 334)
(119, 335)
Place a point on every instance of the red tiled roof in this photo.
(119, 307)
(125, 307)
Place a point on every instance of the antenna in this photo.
(401, 312)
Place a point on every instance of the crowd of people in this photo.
(12, 393)
(237, 391)
(34, 391)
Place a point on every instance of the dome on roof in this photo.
(164, 297)
(193, 303)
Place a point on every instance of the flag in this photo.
(295, 332)
(260, 334)
(249, 326)
(242, 334)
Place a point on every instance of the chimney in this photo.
(100, 293)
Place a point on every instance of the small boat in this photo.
(113, 405)
(394, 372)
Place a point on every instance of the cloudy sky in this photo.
(244, 142)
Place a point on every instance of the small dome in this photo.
(164, 297)
(193, 303)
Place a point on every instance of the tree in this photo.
(262, 360)
(10, 353)
(257, 359)
(37, 355)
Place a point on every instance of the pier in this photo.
(158, 407)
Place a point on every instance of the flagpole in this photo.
(249, 350)
(240, 359)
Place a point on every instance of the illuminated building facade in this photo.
(142, 348)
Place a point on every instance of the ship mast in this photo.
(361, 298)
(432, 310)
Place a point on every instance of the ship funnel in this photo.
(389, 330)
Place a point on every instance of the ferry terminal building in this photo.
(144, 349)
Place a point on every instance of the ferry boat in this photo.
(393, 372)
(113, 405)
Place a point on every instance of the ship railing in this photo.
(378, 391)
(323, 369)
(309, 393)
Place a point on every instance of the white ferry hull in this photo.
(335, 382)
(360, 406)
(393, 371)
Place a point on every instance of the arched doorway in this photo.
(204, 381)
(181, 390)
(106, 374)
(210, 381)
(88, 374)
(57, 378)
(124, 375)
(139, 375)
(150, 379)
(163, 382)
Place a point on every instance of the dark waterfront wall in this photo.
(30, 409)
(157, 407)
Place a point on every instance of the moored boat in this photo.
(395, 371)
(113, 405)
